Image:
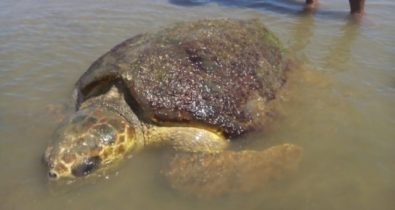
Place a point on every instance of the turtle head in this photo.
(90, 140)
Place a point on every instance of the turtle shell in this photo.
(209, 73)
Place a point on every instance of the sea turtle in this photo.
(193, 87)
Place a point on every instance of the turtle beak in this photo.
(52, 175)
(45, 160)
(45, 156)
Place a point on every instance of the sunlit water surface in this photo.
(340, 107)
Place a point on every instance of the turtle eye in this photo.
(86, 167)
(105, 133)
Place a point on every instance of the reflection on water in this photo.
(347, 34)
(338, 107)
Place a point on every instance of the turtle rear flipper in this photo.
(215, 174)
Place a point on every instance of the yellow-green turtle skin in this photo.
(90, 138)
(192, 87)
(97, 136)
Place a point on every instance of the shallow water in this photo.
(340, 107)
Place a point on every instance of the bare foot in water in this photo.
(311, 6)
(357, 7)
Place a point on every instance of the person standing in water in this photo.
(357, 7)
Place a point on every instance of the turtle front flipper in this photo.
(214, 174)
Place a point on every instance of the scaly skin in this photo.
(186, 87)
(90, 139)
(98, 136)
